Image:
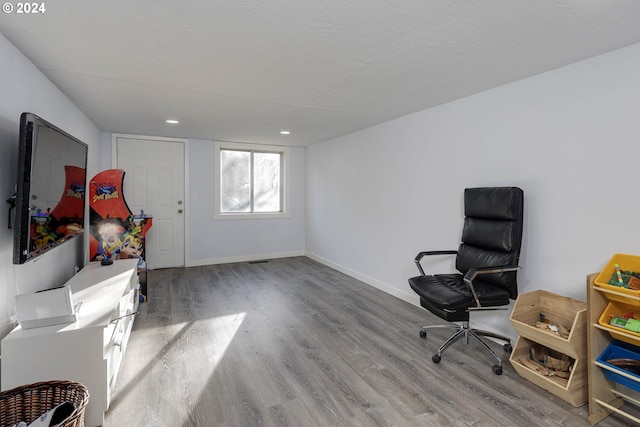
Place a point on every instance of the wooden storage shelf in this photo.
(574, 390)
(558, 310)
(605, 395)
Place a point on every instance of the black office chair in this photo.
(487, 261)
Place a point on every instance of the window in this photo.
(250, 181)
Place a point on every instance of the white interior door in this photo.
(154, 182)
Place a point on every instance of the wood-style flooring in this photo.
(291, 342)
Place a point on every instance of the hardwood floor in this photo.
(291, 342)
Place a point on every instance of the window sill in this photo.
(271, 215)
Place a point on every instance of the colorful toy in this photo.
(115, 232)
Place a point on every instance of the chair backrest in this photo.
(492, 233)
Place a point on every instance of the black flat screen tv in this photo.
(50, 189)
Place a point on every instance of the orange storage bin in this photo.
(615, 308)
(627, 263)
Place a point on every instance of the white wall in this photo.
(24, 88)
(570, 138)
(217, 241)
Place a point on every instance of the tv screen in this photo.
(50, 192)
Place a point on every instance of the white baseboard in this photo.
(405, 296)
(243, 258)
(398, 293)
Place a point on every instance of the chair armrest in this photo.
(475, 272)
(425, 253)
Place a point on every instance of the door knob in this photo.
(179, 210)
(179, 202)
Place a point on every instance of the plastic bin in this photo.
(619, 309)
(626, 262)
(620, 350)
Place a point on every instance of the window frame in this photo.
(284, 180)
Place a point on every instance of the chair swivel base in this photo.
(464, 331)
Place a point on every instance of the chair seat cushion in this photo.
(447, 296)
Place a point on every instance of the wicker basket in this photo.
(28, 402)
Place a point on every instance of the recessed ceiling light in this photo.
(172, 121)
(285, 132)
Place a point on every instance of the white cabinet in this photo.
(90, 349)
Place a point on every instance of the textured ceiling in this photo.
(244, 70)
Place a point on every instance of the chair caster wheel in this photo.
(423, 334)
(497, 369)
(507, 347)
(436, 358)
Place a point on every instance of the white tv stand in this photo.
(90, 349)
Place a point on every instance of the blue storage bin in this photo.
(620, 350)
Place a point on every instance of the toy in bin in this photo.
(608, 280)
(628, 323)
(625, 279)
